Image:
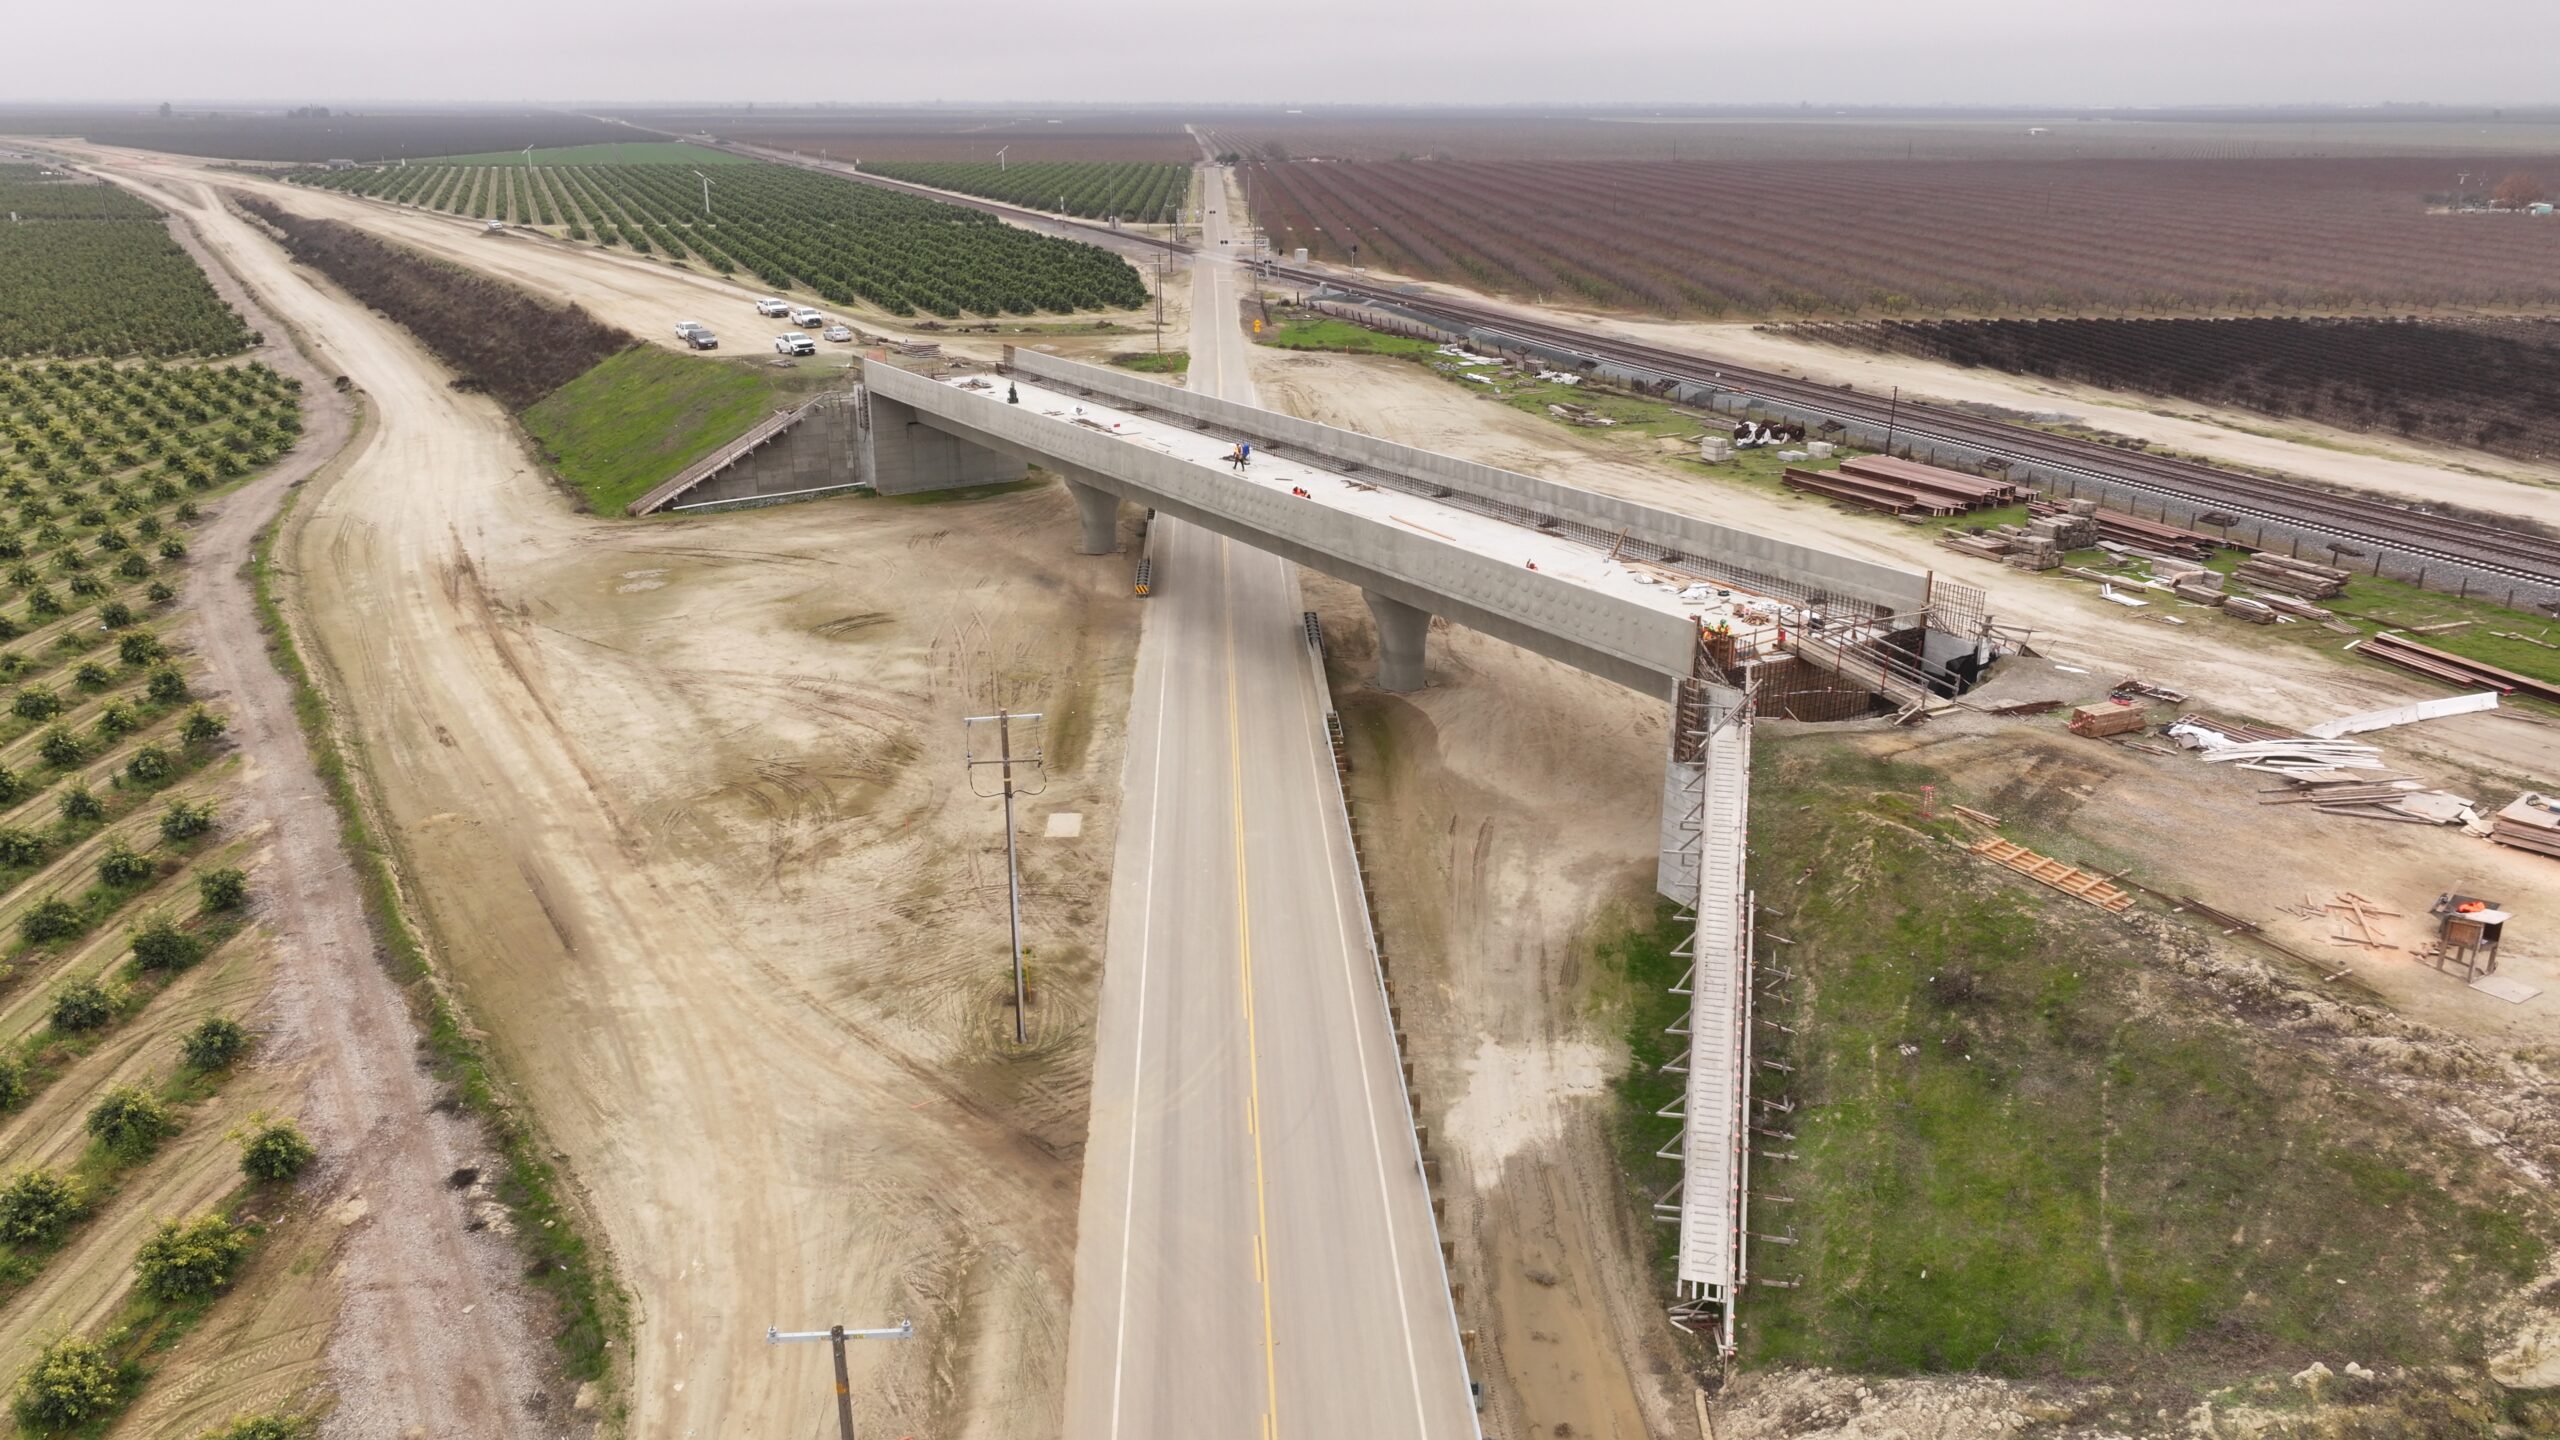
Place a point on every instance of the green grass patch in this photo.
(640, 417)
(1344, 336)
(2373, 604)
(590, 1310)
(639, 152)
(1155, 362)
(2026, 1147)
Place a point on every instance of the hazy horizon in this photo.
(1958, 53)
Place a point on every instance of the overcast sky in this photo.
(2034, 52)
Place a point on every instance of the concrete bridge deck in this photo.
(1616, 588)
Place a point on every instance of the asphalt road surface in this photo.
(1255, 1254)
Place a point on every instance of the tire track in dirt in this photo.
(753, 1158)
(432, 1327)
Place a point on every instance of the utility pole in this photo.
(1000, 159)
(1004, 760)
(706, 193)
(1159, 302)
(904, 1330)
(1892, 414)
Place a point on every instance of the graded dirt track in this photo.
(683, 805)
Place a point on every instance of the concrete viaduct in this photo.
(1698, 613)
(1592, 581)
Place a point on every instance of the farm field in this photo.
(643, 152)
(312, 138)
(1762, 135)
(1079, 136)
(128, 966)
(1766, 239)
(2490, 384)
(86, 269)
(785, 226)
(1144, 193)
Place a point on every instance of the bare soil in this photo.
(426, 1322)
(684, 807)
(1511, 810)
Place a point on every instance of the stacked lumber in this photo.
(2405, 801)
(1989, 547)
(2532, 822)
(2456, 669)
(2256, 612)
(2301, 608)
(2198, 591)
(2304, 579)
(2112, 717)
(1882, 495)
(2125, 529)
(1928, 483)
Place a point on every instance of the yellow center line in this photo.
(1252, 1037)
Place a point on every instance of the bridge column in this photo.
(1100, 511)
(1401, 629)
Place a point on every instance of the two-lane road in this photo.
(1256, 1255)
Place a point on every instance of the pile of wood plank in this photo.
(1989, 547)
(2532, 822)
(2444, 665)
(2256, 612)
(2303, 579)
(2156, 536)
(2406, 801)
(2112, 717)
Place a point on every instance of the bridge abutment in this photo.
(906, 456)
(1402, 629)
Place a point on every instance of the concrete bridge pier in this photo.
(1099, 510)
(1401, 629)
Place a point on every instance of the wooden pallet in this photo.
(2078, 884)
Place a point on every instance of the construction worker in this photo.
(1235, 457)
(1012, 396)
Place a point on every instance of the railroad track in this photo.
(2460, 544)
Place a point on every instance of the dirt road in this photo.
(684, 806)
(435, 1327)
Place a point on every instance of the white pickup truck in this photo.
(803, 315)
(770, 305)
(794, 343)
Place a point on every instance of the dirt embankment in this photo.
(685, 808)
(424, 1322)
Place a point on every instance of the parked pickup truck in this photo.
(840, 333)
(694, 334)
(803, 315)
(769, 305)
(794, 343)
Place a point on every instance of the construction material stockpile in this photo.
(2303, 579)
(2454, 669)
(2039, 544)
(1905, 487)
(2532, 822)
(2150, 536)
